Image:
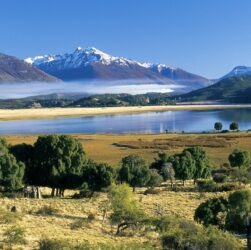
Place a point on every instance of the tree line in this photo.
(60, 162)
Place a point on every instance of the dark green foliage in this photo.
(184, 166)
(59, 161)
(98, 175)
(240, 206)
(180, 234)
(239, 158)
(220, 178)
(134, 171)
(206, 185)
(234, 126)
(212, 212)
(160, 162)
(202, 164)
(11, 171)
(24, 153)
(111, 100)
(155, 179)
(218, 126)
(234, 89)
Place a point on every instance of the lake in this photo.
(150, 122)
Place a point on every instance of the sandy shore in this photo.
(48, 113)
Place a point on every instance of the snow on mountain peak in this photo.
(238, 71)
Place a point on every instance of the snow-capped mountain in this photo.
(238, 71)
(15, 70)
(91, 63)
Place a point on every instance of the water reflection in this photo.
(151, 122)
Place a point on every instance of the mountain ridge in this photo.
(91, 63)
(15, 70)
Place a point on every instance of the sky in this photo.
(206, 37)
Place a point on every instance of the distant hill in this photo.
(15, 70)
(74, 100)
(94, 64)
(232, 90)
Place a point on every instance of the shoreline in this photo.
(51, 113)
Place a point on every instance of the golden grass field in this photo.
(111, 148)
(71, 212)
(46, 113)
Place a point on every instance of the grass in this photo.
(71, 220)
(48, 113)
(111, 148)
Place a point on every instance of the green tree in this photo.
(98, 175)
(125, 210)
(212, 212)
(160, 161)
(24, 153)
(168, 173)
(59, 162)
(11, 171)
(155, 179)
(134, 171)
(239, 159)
(184, 166)
(239, 208)
(202, 164)
(234, 126)
(218, 126)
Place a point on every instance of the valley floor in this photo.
(111, 148)
(48, 113)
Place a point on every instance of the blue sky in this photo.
(207, 37)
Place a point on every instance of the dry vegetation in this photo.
(111, 148)
(69, 221)
(68, 218)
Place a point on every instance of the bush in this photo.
(212, 212)
(186, 235)
(14, 235)
(47, 210)
(206, 185)
(7, 217)
(220, 178)
(48, 244)
(152, 191)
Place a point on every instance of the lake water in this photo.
(150, 122)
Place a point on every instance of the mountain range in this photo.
(16, 70)
(94, 64)
(90, 64)
(233, 89)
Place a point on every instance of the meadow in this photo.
(68, 219)
(110, 148)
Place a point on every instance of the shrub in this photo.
(47, 210)
(240, 205)
(49, 244)
(206, 185)
(152, 191)
(220, 178)
(212, 212)
(7, 217)
(14, 235)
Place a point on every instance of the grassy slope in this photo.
(235, 90)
